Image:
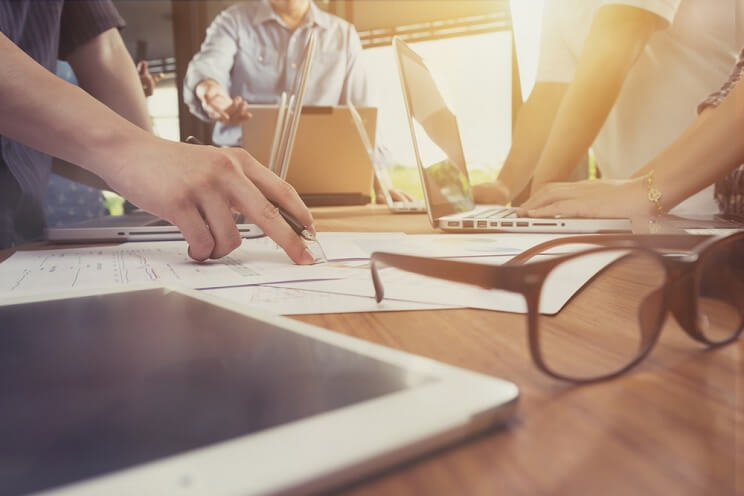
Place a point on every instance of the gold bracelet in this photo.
(654, 195)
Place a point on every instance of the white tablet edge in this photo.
(320, 458)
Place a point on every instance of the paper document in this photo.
(346, 246)
(256, 261)
(405, 286)
(287, 301)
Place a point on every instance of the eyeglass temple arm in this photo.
(659, 241)
(485, 276)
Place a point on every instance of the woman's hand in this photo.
(592, 198)
(493, 193)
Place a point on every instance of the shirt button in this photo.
(260, 58)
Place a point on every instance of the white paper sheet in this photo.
(286, 301)
(339, 246)
(354, 246)
(406, 286)
(256, 261)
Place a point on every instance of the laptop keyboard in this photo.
(493, 213)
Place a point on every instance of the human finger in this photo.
(195, 231)
(216, 103)
(245, 113)
(214, 112)
(253, 204)
(568, 208)
(550, 193)
(237, 110)
(221, 223)
(274, 188)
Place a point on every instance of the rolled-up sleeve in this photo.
(356, 86)
(214, 60)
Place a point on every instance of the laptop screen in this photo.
(436, 138)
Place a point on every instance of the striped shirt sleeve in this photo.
(83, 20)
(717, 97)
(729, 190)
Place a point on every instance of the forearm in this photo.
(531, 132)
(61, 119)
(105, 70)
(705, 152)
(617, 38)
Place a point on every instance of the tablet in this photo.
(169, 391)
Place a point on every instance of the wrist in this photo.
(115, 157)
(654, 195)
(203, 87)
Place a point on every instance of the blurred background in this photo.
(483, 54)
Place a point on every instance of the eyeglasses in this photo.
(613, 321)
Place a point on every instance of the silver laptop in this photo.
(441, 163)
(137, 226)
(381, 173)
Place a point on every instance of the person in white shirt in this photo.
(620, 76)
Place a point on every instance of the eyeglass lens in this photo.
(610, 321)
(720, 290)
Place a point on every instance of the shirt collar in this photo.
(314, 17)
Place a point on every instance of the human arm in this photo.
(706, 151)
(193, 187)
(530, 134)
(104, 68)
(218, 105)
(616, 39)
(207, 82)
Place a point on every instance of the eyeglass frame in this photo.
(678, 291)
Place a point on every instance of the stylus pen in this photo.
(295, 224)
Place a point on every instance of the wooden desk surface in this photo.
(672, 426)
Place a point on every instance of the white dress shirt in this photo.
(681, 64)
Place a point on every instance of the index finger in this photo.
(251, 203)
(275, 189)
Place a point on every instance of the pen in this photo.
(295, 224)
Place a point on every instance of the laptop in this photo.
(383, 178)
(136, 226)
(328, 165)
(441, 162)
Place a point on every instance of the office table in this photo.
(674, 425)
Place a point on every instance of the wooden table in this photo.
(672, 426)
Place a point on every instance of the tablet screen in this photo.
(96, 384)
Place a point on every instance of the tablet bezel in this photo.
(323, 451)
